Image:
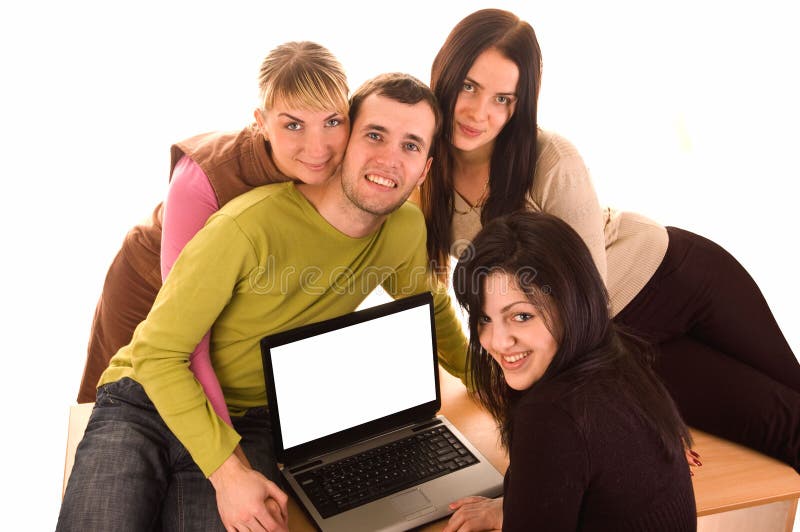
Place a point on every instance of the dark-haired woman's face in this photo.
(514, 332)
(486, 101)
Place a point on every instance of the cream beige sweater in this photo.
(627, 247)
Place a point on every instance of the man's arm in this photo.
(414, 277)
(193, 296)
(190, 203)
(450, 339)
(197, 290)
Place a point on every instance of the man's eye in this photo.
(374, 136)
(410, 146)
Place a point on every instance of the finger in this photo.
(274, 510)
(280, 497)
(692, 460)
(455, 522)
(271, 520)
(450, 527)
(465, 500)
(275, 492)
(264, 522)
(254, 526)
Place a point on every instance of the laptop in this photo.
(353, 405)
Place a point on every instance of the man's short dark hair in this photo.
(403, 88)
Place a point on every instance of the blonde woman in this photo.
(299, 134)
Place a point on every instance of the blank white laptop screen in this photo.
(349, 376)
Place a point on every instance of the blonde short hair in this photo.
(303, 75)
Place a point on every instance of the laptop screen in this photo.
(355, 373)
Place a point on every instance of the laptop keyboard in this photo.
(362, 478)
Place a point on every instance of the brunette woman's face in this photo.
(512, 330)
(486, 101)
(306, 145)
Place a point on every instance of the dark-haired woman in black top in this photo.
(594, 440)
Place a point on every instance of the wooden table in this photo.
(736, 489)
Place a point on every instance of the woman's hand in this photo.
(693, 458)
(475, 513)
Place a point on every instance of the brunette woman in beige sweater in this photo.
(722, 355)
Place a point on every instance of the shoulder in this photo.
(561, 398)
(409, 212)
(404, 230)
(553, 147)
(210, 148)
(559, 166)
(550, 399)
(556, 155)
(408, 217)
(551, 391)
(255, 215)
(548, 421)
(209, 139)
(257, 201)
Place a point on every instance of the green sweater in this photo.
(266, 262)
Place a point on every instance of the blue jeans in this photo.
(132, 473)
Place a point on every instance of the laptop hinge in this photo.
(424, 426)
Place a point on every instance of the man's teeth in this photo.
(381, 181)
(514, 358)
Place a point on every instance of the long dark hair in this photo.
(552, 265)
(514, 157)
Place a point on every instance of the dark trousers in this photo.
(132, 474)
(722, 355)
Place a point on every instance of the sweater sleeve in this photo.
(562, 187)
(548, 471)
(190, 202)
(450, 339)
(414, 277)
(194, 294)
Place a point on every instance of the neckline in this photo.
(329, 228)
(467, 208)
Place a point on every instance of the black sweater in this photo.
(583, 461)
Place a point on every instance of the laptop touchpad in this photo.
(411, 503)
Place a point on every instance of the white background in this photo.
(685, 112)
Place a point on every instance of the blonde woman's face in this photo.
(307, 145)
(486, 102)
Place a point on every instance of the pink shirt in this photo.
(190, 202)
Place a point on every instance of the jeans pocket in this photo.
(104, 398)
(123, 391)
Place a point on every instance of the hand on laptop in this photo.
(693, 458)
(475, 513)
(247, 500)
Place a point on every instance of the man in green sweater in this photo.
(155, 453)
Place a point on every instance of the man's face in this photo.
(387, 155)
